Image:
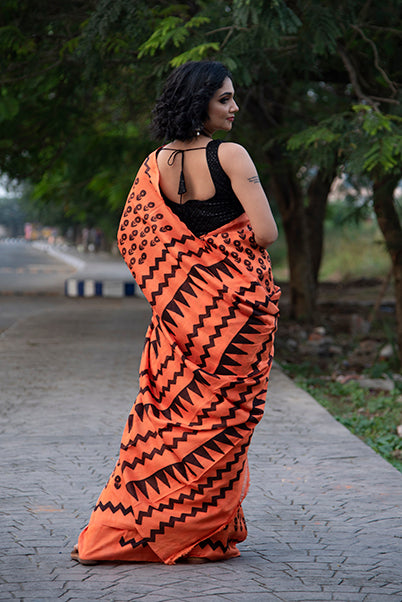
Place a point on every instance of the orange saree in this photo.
(177, 488)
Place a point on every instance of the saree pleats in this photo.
(182, 473)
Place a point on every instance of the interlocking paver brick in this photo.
(324, 511)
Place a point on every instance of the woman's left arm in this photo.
(238, 165)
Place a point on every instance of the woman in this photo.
(193, 233)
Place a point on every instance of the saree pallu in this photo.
(182, 474)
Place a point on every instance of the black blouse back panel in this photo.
(202, 217)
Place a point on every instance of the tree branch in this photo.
(30, 74)
(391, 101)
(376, 59)
(231, 28)
(353, 78)
(227, 38)
(397, 32)
(364, 10)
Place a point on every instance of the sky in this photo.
(4, 182)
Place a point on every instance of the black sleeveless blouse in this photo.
(202, 217)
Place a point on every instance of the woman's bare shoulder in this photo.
(232, 154)
(232, 148)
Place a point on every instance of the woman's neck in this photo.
(201, 140)
(204, 133)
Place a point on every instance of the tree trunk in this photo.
(288, 194)
(303, 226)
(317, 194)
(391, 227)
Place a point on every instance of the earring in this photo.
(197, 132)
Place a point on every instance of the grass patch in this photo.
(351, 250)
(372, 416)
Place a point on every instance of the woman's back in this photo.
(196, 188)
(193, 160)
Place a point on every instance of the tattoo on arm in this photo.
(254, 180)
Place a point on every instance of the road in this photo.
(33, 277)
(31, 281)
(25, 269)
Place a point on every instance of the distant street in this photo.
(27, 270)
(31, 281)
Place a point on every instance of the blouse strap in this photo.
(219, 177)
(171, 159)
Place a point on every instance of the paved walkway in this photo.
(324, 511)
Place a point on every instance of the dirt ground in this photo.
(354, 328)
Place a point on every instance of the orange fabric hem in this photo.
(104, 544)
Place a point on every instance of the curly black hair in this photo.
(183, 105)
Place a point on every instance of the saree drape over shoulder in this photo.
(182, 473)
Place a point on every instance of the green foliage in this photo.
(170, 29)
(384, 133)
(273, 15)
(371, 430)
(319, 145)
(368, 140)
(176, 31)
(197, 53)
(315, 135)
(324, 25)
(13, 42)
(9, 106)
(74, 71)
